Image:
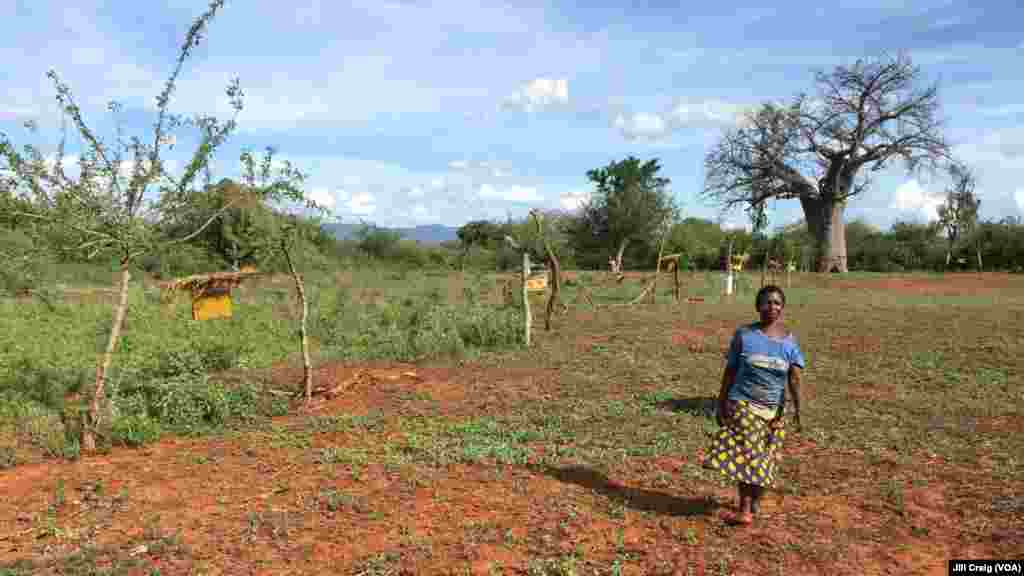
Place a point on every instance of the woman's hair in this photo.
(763, 293)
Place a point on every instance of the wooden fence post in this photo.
(528, 319)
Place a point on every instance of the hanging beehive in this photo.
(211, 293)
(537, 283)
(212, 303)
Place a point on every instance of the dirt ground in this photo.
(947, 285)
(238, 505)
(338, 488)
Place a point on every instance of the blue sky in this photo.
(415, 112)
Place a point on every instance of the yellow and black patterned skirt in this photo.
(746, 448)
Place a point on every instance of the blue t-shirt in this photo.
(762, 365)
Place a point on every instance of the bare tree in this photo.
(864, 115)
(117, 207)
(285, 183)
(554, 267)
(959, 213)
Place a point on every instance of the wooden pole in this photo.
(300, 288)
(675, 279)
(528, 319)
(657, 267)
(728, 271)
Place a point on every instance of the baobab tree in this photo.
(816, 149)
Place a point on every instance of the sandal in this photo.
(738, 519)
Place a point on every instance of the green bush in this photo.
(184, 403)
(182, 260)
(134, 429)
(29, 381)
(414, 328)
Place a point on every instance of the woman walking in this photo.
(763, 358)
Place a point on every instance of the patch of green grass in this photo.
(334, 500)
(161, 377)
(565, 565)
(115, 560)
(380, 564)
(355, 457)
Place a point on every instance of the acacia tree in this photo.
(959, 213)
(864, 116)
(284, 234)
(630, 200)
(238, 234)
(122, 196)
(482, 233)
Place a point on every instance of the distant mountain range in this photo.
(429, 234)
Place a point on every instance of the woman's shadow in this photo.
(635, 498)
(638, 498)
(700, 406)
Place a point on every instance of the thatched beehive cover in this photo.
(211, 293)
(199, 284)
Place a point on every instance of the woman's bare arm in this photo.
(795, 374)
(728, 376)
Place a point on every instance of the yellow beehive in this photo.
(538, 283)
(211, 293)
(212, 303)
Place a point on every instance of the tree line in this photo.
(703, 243)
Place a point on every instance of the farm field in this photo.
(445, 447)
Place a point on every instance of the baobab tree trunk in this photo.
(826, 224)
(89, 429)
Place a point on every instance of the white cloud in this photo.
(389, 193)
(539, 93)
(13, 113)
(684, 113)
(70, 161)
(515, 193)
(703, 113)
(322, 197)
(170, 166)
(911, 197)
(361, 203)
(734, 223)
(641, 125)
(385, 58)
(573, 199)
(1019, 197)
(997, 157)
(480, 168)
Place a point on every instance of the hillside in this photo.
(428, 234)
